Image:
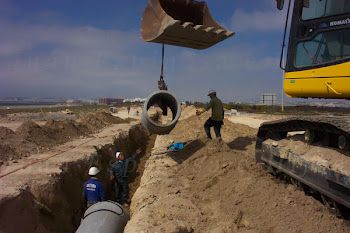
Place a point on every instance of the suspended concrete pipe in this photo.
(104, 217)
(164, 100)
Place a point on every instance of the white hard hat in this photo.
(117, 154)
(211, 91)
(93, 171)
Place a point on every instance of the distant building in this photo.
(136, 100)
(109, 101)
(73, 101)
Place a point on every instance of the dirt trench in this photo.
(31, 137)
(217, 186)
(54, 203)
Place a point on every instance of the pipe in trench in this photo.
(163, 99)
(104, 217)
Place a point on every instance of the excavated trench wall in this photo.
(57, 205)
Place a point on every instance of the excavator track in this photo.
(330, 185)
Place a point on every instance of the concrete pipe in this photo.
(104, 217)
(163, 99)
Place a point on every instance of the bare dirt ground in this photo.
(216, 186)
(208, 186)
(42, 189)
(30, 137)
(252, 120)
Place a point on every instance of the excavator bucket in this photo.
(185, 23)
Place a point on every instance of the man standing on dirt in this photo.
(93, 189)
(217, 115)
(128, 109)
(119, 173)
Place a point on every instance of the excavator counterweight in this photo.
(185, 23)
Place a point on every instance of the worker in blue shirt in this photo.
(119, 173)
(93, 189)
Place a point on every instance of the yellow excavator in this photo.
(317, 66)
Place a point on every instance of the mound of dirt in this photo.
(238, 136)
(14, 146)
(6, 153)
(63, 130)
(30, 137)
(108, 118)
(187, 112)
(41, 136)
(219, 187)
(92, 122)
(127, 120)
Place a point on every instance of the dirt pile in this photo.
(108, 118)
(49, 197)
(13, 146)
(22, 214)
(187, 112)
(218, 187)
(32, 138)
(41, 136)
(64, 130)
(92, 122)
(330, 158)
(95, 122)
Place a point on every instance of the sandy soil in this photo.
(216, 186)
(327, 157)
(30, 137)
(135, 112)
(43, 191)
(252, 120)
(208, 186)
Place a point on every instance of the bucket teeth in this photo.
(219, 31)
(209, 29)
(229, 34)
(185, 23)
(197, 27)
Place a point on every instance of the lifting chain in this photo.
(161, 83)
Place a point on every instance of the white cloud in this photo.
(87, 61)
(18, 38)
(257, 20)
(83, 57)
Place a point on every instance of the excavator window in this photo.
(325, 47)
(323, 8)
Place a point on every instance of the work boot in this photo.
(207, 140)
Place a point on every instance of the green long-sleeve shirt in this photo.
(217, 109)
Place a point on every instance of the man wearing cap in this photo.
(217, 115)
(119, 173)
(93, 191)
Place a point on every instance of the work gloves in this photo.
(199, 111)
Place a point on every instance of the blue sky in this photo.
(93, 49)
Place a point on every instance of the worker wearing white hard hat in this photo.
(93, 171)
(93, 191)
(217, 115)
(119, 172)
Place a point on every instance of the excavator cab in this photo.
(185, 23)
